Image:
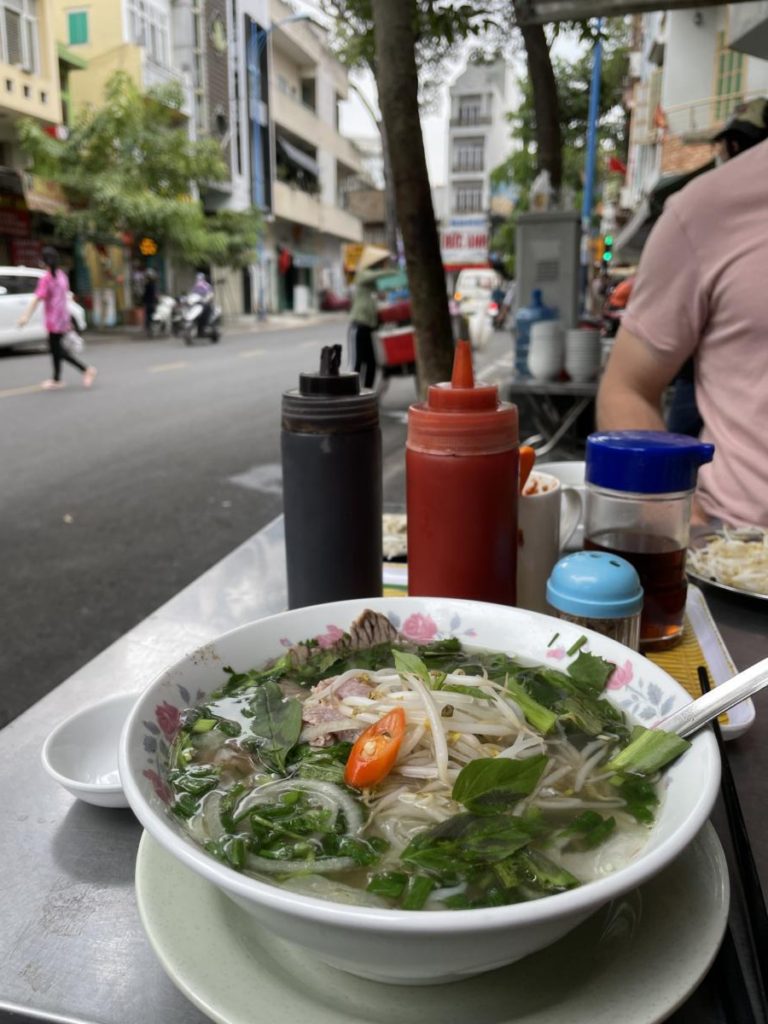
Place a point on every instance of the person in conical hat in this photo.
(364, 316)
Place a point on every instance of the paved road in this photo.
(114, 499)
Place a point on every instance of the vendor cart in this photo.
(394, 342)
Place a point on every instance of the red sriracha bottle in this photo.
(462, 490)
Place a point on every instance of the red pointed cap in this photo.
(460, 417)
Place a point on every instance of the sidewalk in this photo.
(245, 324)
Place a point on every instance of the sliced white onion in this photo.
(323, 865)
(332, 797)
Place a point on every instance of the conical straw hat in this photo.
(371, 255)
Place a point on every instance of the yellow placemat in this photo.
(683, 661)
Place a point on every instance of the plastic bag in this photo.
(73, 343)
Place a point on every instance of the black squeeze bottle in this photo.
(331, 450)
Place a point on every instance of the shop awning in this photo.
(44, 196)
(299, 157)
(543, 11)
(66, 56)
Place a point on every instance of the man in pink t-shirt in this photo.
(702, 291)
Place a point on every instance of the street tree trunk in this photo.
(397, 82)
(549, 138)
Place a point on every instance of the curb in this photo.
(238, 325)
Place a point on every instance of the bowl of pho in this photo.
(417, 790)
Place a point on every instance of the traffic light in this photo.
(607, 248)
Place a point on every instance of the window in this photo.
(468, 154)
(19, 285)
(308, 92)
(148, 27)
(18, 34)
(470, 109)
(469, 197)
(729, 73)
(77, 27)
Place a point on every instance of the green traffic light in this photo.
(607, 256)
(608, 239)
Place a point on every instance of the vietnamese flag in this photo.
(616, 166)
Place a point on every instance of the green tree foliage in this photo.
(573, 79)
(130, 166)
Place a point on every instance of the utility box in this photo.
(548, 257)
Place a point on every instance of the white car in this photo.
(17, 286)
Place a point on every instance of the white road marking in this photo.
(163, 367)
(27, 389)
(251, 352)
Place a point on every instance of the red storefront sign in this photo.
(14, 222)
(26, 252)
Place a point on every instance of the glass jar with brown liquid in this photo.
(639, 489)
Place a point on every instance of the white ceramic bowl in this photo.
(399, 946)
(81, 752)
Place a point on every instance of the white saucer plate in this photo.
(634, 961)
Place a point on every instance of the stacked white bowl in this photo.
(546, 350)
(583, 354)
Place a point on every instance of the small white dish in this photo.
(81, 752)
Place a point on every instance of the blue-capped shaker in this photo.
(599, 591)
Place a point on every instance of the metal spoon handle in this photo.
(702, 710)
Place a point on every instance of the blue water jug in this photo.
(526, 317)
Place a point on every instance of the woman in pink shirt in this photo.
(53, 290)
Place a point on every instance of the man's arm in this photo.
(633, 384)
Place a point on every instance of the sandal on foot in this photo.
(89, 376)
(52, 385)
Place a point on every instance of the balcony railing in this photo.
(468, 119)
(467, 166)
(704, 117)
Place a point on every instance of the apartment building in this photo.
(314, 166)
(116, 35)
(29, 87)
(690, 69)
(478, 141)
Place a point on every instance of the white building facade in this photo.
(478, 141)
(691, 68)
(313, 166)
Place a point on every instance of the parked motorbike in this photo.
(165, 316)
(200, 318)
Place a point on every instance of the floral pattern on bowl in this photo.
(645, 701)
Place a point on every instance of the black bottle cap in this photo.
(329, 381)
(348, 407)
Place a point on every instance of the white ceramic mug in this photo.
(542, 534)
(571, 476)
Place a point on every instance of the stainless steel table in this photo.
(71, 944)
(554, 406)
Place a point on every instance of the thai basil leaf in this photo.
(588, 830)
(491, 784)
(543, 874)
(640, 796)
(276, 724)
(406, 663)
(324, 763)
(591, 671)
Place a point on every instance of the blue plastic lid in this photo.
(596, 585)
(645, 461)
